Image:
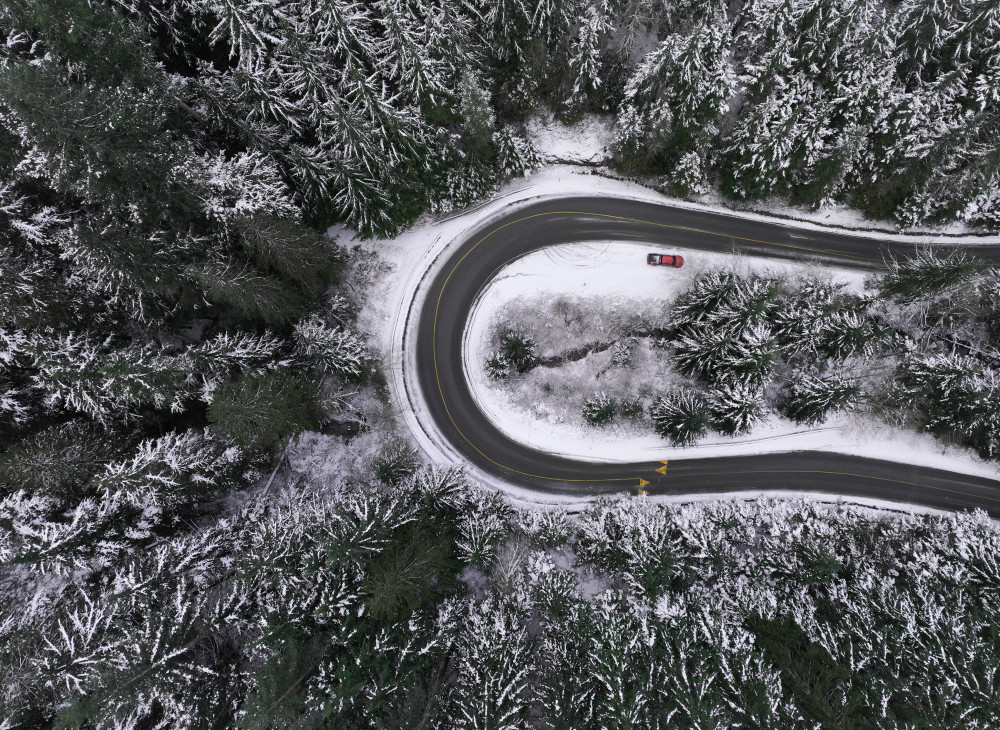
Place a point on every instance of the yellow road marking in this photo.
(662, 470)
(849, 474)
(642, 482)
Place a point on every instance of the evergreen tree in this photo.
(334, 349)
(599, 409)
(84, 375)
(681, 417)
(492, 669)
(736, 408)
(811, 399)
(171, 471)
(259, 411)
(954, 395)
(925, 274)
(585, 61)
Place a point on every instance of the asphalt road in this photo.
(442, 321)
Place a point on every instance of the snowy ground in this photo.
(413, 257)
(587, 142)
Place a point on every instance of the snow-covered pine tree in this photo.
(810, 399)
(440, 489)
(492, 665)
(83, 374)
(395, 462)
(926, 273)
(497, 366)
(599, 409)
(333, 349)
(515, 155)
(675, 96)
(682, 417)
(58, 461)
(585, 61)
(484, 524)
(228, 355)
(257, 412)
(735, 408)
(847, 333)
(619, 690)
(954, 395)
(172, 471)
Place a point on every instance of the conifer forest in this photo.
(178, 309)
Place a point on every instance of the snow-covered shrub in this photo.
(630, 407)
(497, 366)
(395, 462)
(621, 354)
(599, 409)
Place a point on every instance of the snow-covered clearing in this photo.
(416, 255)
(587, 142)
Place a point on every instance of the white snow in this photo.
(586, 142)
(418, 254)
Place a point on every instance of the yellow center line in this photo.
(437, 309)
(849, 474)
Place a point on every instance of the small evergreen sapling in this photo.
(599, 409)
(621, 354)
(497, 366)
(518, 349)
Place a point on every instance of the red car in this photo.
(662, 259)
